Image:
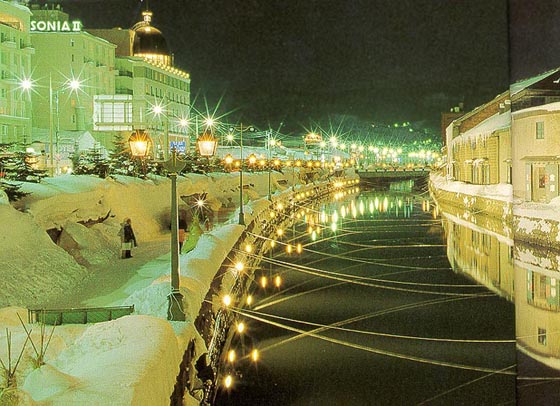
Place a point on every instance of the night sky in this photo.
(379, 60)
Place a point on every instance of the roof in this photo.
(550, 107)
(490, 125)
(148, 39)
(523, 84)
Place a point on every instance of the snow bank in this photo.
(139, 350)
(500, 191)
(34, 269)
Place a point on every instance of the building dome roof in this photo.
(148, 39)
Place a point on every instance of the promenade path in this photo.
(115, 280)
(118, 278)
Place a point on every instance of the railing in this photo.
(77, 315)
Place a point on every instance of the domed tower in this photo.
(149, 42)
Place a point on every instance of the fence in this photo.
(77, 315)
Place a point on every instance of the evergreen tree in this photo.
(121, 161)
(11, 188)
(24, 168)
(90, 162)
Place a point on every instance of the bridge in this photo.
(394, 173)
(383, 177)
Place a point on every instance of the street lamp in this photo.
(240, 128)
(207, 144)
(140, 143)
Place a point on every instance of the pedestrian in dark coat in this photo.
(128, 238)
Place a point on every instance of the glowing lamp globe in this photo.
(207, 144)
(140, 144)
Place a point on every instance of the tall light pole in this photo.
(240, 128)
(269, 144)
(140, 144)
(72, 85)
(175, 309)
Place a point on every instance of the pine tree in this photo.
(121, 161)
(11, 188)
(23, 167)
(90, 162)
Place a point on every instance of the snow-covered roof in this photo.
(523, 84)
(550, 107)
(488, 127)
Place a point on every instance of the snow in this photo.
(134, 359)
(500, 191)
(486, 128)
(94, 365)
(550, 107)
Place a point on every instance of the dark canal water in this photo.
(372, 314)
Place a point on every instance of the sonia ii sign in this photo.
(56, 26)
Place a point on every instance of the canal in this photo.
(371, 313)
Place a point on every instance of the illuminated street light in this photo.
(240, 128)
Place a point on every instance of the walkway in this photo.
(118, 278)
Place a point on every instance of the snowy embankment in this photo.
(502, 191)
(132, 360)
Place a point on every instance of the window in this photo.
(541, 336)
(540, 130)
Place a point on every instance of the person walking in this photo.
(128, 239)
(182, 235)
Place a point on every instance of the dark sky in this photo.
(381, 60)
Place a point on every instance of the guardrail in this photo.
(77, 315)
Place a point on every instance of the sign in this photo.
(56, 26)
(180, 146)
(313, 138)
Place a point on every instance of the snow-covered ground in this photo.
(134, 359)
(500, 191)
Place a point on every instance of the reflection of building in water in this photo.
(486, 257)
(537, 305)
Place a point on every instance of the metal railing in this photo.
(77, 315)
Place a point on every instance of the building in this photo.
(150, 93)
(16, 52)
(479, 144)
(70, 67)
(536, 152)
(484, 146)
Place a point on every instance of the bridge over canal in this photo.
(383, 177)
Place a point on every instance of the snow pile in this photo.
(549, 211)
(94, 366)
(34, 269)
(500, 191)
(485, 129)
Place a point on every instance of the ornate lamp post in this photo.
(240, 128)
(139, 146)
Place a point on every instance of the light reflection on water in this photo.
(357, 242)
(523, 274)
